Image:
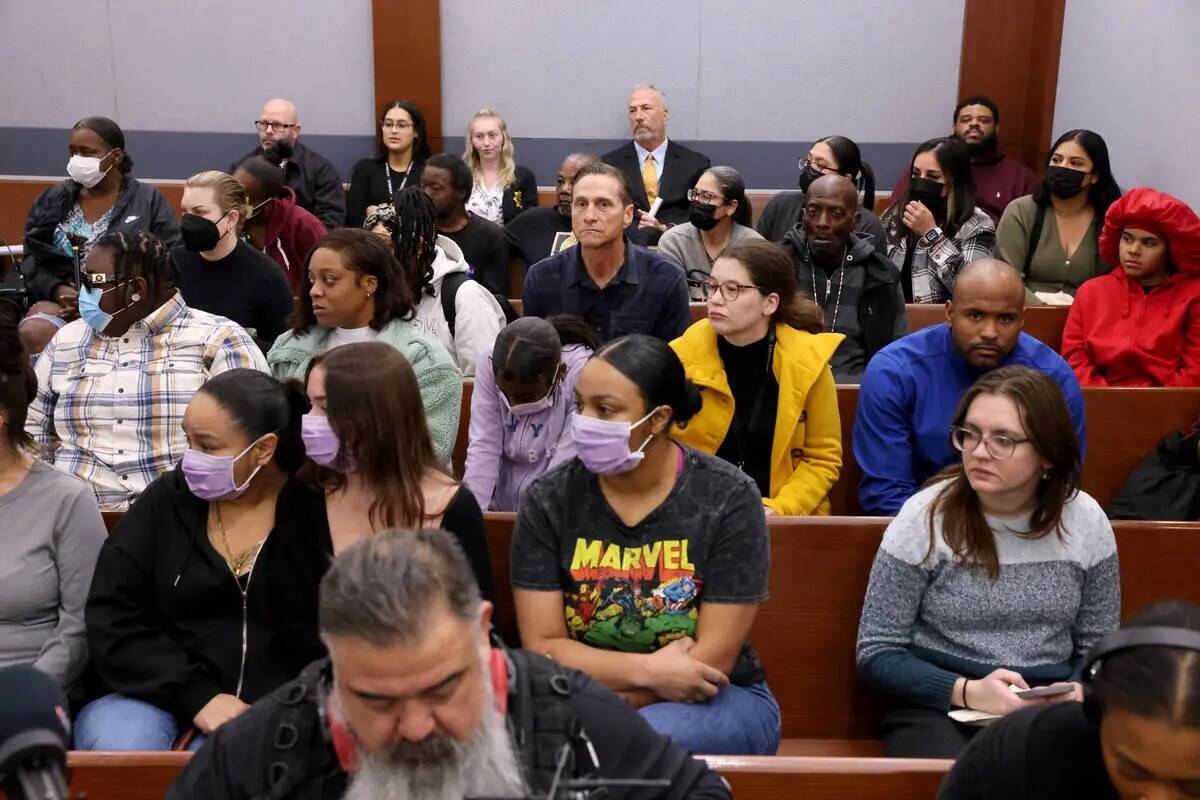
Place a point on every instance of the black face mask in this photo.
(199, 234)
(808, 175)
(701, 215)
(929, 194)
(1063, 182)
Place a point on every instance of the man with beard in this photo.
(315, 181)
(857, 287)
(912, 387)
(414, 702)
(999, 178)
(446, 180)
(543, 231)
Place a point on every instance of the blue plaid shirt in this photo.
(114, 404)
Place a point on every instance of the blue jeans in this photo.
(120, 723)
(739, 721)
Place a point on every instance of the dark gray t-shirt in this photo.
(637, 589)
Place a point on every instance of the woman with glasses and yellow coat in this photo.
(762, 364)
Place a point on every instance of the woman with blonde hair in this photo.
(218, 272)
(502, 188)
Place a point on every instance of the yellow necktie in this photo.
(650, 178)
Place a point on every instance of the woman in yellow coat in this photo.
(780, 424)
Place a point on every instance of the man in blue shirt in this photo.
(616, 286)
(912, 387)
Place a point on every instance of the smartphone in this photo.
(1046, 691)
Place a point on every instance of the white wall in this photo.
(1130, 71)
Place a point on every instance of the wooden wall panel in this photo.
(408, 58)
(17, 196)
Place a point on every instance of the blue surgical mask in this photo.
(90, 310)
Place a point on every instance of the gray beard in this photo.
(441, 768)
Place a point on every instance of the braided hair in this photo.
(414, 237)
(140, 255)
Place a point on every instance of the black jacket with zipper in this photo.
(138, 207)
(164, 615)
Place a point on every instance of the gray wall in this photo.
(1129, 71)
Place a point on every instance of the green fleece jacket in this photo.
(437, 376)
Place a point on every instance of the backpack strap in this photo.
(543, 720)
(298, 748)
(450, 286)
(1035, 235)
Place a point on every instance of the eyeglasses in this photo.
(264, 125)
(806, 162)
(966, 440)
(729, 289)
(705, 197)
(391, 124)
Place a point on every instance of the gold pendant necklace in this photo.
(242, 563)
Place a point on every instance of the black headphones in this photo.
(1130, 639)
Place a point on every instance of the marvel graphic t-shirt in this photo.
(639, 588)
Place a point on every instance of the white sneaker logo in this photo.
(130, 219)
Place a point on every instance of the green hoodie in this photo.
(439, 380)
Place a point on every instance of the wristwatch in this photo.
(931, 236)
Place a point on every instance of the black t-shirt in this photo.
(755, 402)
(1049, 752)
(245, 286)
(482, 244)
(531, 235)
(369, 186)
(637, 589)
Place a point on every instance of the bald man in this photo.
(316, 182)
(857, 286)
(912, 387)
(657, 168)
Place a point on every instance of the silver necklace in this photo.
(841, 273)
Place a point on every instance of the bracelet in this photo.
(966, 705)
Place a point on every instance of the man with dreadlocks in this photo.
(462, 315)
(113, 385)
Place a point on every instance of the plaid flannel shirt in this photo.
(935, 268)
(115, 403)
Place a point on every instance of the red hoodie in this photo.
(291, 233)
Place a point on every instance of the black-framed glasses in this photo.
(265, 125)
(805, 162)
(730, 290)
(711, 199)
(965, 440)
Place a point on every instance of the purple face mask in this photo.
(211, 477)
(603, 445)
(320, 440)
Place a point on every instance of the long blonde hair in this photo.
(228, 193)
(508, 166)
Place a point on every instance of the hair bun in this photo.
(690, 402)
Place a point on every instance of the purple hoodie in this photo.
(506, 453)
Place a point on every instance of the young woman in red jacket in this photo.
(1139, 325)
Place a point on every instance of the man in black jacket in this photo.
(658, 169)
(316, 182)
(857, 287)
(415, 703)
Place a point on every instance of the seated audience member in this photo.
(310, 176)
(447, 181)
(615, 285)
(113, 386)
(403, 148)
(451, 308)
(656, 168)
(39, 326)
(762, 365)
(501, 188)
(521, 406)
(1139, 325)
(276, 225)
(543, 232)
(100, 197)
(218, 272)
(934, 229)
(205, 595)
(719, 216)
(910, 390)
(375, 482)
(1136, 735)
(856, 286)
(616, 553)
(356, 292)
(1004, 536)
(999, 178)
(52, 534)
(831, 155)
(1059, 250)
(408, 634)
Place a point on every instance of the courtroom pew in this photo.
(1044, 323)
(458, 459)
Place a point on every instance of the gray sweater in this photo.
(682, 245)
(929, 620)
(52, 532)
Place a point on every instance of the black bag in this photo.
(1165, 486)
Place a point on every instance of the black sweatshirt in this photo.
(752, 381)
(245, 286)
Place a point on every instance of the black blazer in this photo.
(682, 168)
(521, 196)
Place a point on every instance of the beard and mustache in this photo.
(985, 146)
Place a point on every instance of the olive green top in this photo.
(1050, 270)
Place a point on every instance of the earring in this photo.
(135, 297)
(1046, 475)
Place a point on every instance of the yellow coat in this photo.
(806, 452)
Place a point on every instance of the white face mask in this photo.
(85, 170)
